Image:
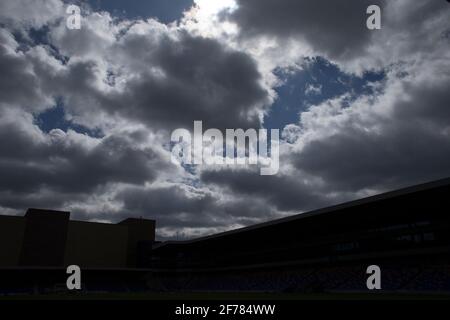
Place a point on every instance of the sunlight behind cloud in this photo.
(210, 8)
(203, 18)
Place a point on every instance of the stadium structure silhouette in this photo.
(405, 232)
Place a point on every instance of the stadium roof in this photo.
(354, 203)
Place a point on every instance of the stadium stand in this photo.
(405, 232)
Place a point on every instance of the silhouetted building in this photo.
(412, 221)
(47, 238)
(405, 232)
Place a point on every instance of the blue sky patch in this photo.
(164, 10)
(55, 118)
(319, 81)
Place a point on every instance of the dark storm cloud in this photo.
(49, 200)
(202, 80)
(429, 102)
(172, 206)
(335, 28)
(354, 160)
(178, 207)
(166, 80)
(163, 10)
(284, 192)
(64, 162)
(164, 201)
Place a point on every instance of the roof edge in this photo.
(385, 195)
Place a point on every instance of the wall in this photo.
(45, 238)
(139, 230)
(11, 236)
(96, 245)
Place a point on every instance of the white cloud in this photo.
(135, 80)
(23, 13)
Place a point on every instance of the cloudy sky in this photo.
(86, 115)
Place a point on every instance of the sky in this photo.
(86, 114)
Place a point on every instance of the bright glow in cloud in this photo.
(203, 18)
(211, 7)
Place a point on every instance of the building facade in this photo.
(47, 238)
